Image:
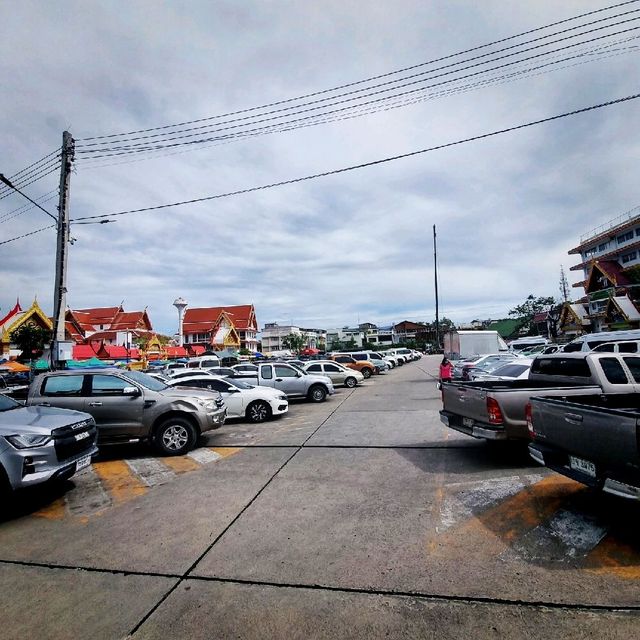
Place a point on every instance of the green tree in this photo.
(30, 339)
(524, 312)
(294, 342)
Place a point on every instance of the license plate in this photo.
(582, 465)
(83, 462)
(467, 422)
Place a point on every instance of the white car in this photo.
(337, 372)
(256, 404)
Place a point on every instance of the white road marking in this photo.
(150, 471)
(88, 496)
(204, 456)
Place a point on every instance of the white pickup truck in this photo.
(294, 382)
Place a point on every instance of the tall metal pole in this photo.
(435, 276)
(60, 288)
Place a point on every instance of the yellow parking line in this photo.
(53, 511)
(503, 523)
(614, 557)
(181, 464)
(225, 452)
(119, 480)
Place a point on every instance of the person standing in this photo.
(446, 370)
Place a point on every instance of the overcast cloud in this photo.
(329, 252)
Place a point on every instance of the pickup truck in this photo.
(129, 406)
(294, 382)
(592, 439)
(42, 444)
(495, 410)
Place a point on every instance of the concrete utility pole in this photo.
(435, 278)
(62, 249)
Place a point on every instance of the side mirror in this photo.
(131, 391)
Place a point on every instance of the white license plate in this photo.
(83, 462)
(467, 422)
(582, 465)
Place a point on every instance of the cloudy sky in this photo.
(354, 246)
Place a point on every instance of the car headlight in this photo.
(282, 397)
(27, 441)
(209, 405)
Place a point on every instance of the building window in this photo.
(628, 257)
(603, 246)
(638, 231)
(625, 237)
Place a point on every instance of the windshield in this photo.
(6, 404)
(297, 368)
(146, 381)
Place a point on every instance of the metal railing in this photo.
(615, 222)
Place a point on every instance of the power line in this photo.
(146, 147)
(27, 207)
(34, 167)
(365, 164)
(33, 178)
(26, 235)
(370, 79)
(502, 79)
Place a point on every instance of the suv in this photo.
(365, 367)
(373, 357)
(39, 444)
(130, 406)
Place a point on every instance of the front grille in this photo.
(71, 441)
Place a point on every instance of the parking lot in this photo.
(359, 517)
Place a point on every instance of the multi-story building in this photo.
(610, 264)
(209, 328)
(273, 337)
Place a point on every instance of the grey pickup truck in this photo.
(291, 380)
(591, 439)
(495, 410)
(129, 406)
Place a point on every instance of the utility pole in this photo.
(435, 275)
(62, 250)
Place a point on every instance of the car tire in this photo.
(5, 486)
(317, 393)
(350, 382)
(258, 411)
(366, 373)
(175, 436)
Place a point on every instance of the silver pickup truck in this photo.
(591, 439)
(496, 410)
(294, 382)
(41, 444)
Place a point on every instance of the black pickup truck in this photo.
(593, 439)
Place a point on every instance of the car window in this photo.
(217, 385)
(210, 363)
(609, 348)
(511, 370)
(285, 372)
(613, 371)
(634, 367)
(359, 356)
(63, 386)
(108, 385)
(314, 367)
(193, 365)
(333, 368)
(571, 367)
(628, 347)
(266, 373)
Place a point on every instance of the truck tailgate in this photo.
(465, 400)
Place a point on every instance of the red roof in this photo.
(196, 349)
(83, 352)
(176, 352)
(117, 352)
(17, 309)
(242, 317)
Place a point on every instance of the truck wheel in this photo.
(366, 373)
(175, 436)
(350, 382)
(317, 393)
(258, 411)
(5, 485)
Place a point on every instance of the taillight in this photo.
(493, 409)
(529, 415)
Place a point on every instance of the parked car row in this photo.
(69, 413)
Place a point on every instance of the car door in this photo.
(231, 395)
(336, 373)
(289, 380)
(64, 391)
(116, 412)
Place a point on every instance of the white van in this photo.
(624, 346)
(203, 362)
(521, 344)
(590, 341)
